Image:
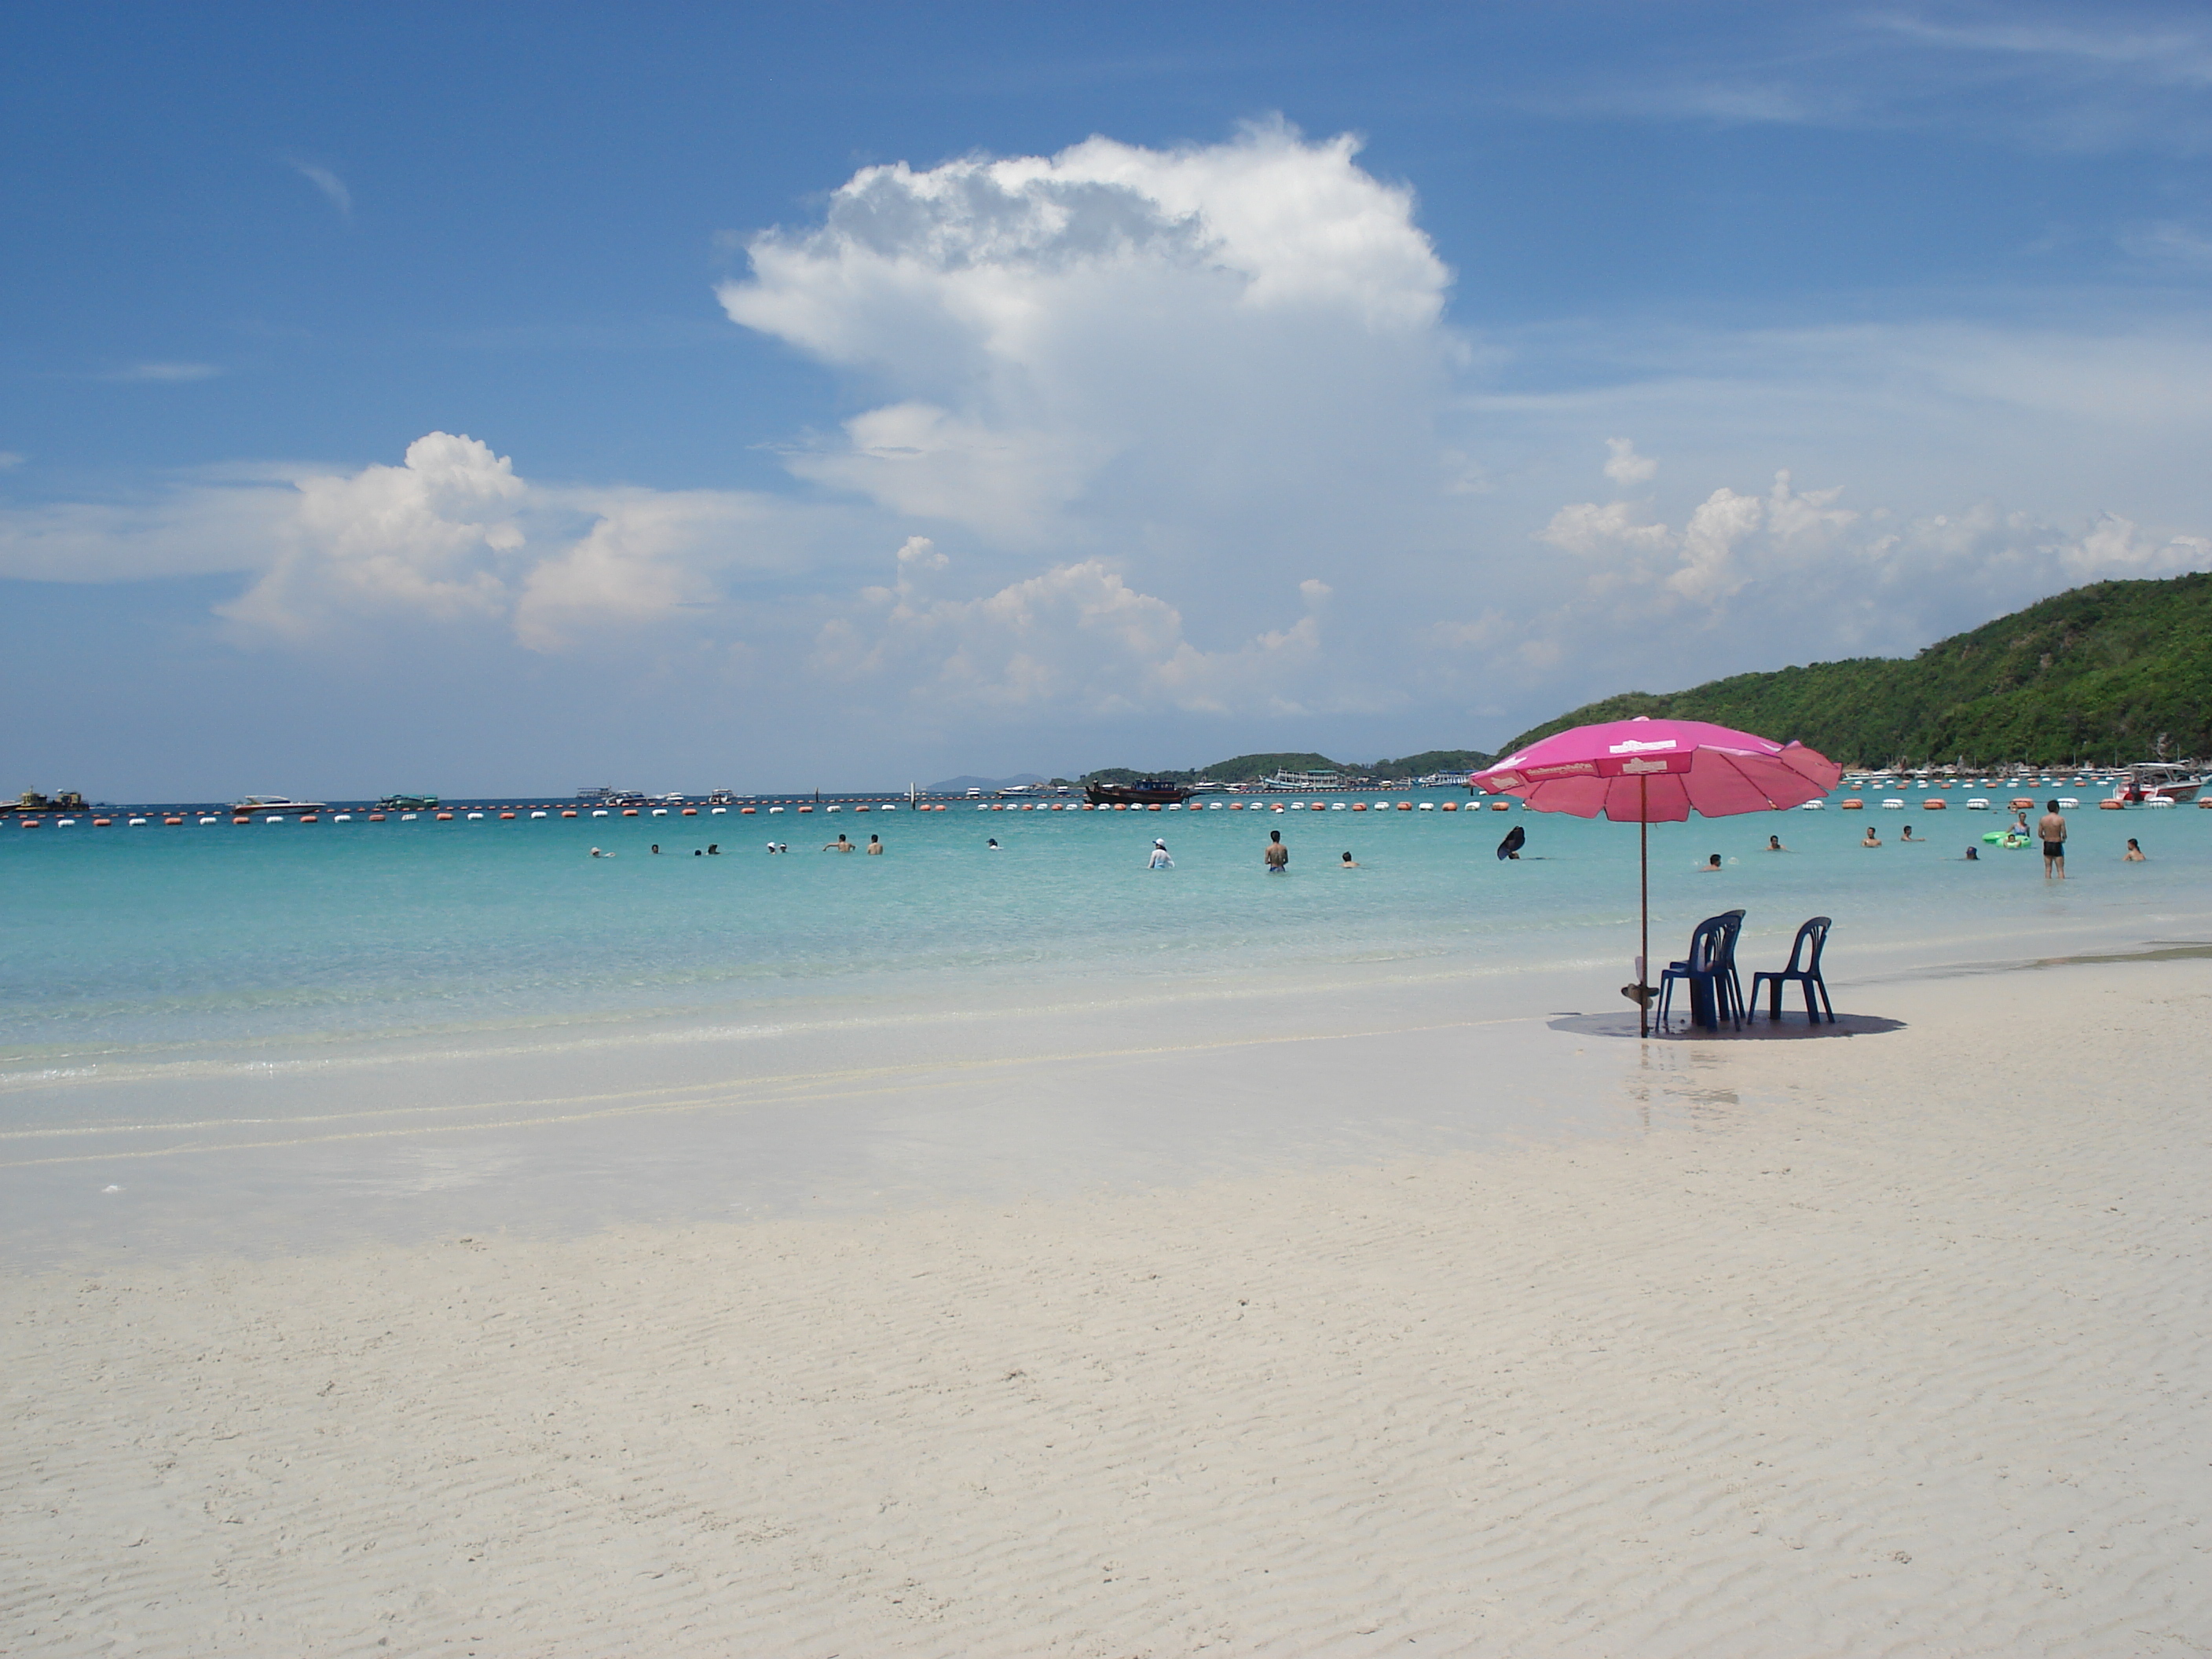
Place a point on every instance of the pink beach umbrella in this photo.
(1645, 771)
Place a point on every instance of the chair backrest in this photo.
(1817, 931)
(1709, 943)
(1731, 923)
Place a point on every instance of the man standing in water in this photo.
(2051, 826)
(1278, 856)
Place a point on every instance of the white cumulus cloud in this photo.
(453, 534)
(1218, 339)
(1077, 638)
(1627, 467)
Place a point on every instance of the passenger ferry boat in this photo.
(1304, 783)
(273, 805)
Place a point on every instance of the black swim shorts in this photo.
(2054, 849)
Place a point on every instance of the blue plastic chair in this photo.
(1734, 1003)
(1815, 933)
(1711, 962)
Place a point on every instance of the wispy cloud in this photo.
(2171, 244)
(165, 373)
(10, 460)
(2169, 57)
(2024, 74)
(327, 182)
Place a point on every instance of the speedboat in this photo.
(2157, 781)
(272, 804)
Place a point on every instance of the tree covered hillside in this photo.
(2109, 673)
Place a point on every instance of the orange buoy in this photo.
(172, 820)
(376, 818)
(693, 811)
(507, 815)
(98, 823)
(307, 818)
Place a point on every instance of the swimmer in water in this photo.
(2134, 854)
(1774, 844)
(875, 844)
(1350, 863)
(1973, 855)
(1908, 834)
(714, 849)
(656, 847)
(840, 845)
(1712, 866)
(597, 853)
(1278, 856)
(992, 845)
(1871, 839)
(1159, 859)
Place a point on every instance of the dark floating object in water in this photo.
(1515, 839)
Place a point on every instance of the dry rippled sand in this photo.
(1908, 1359)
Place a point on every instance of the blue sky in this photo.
(512, 398)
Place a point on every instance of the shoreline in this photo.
(870, 1104)
(1902, 1352)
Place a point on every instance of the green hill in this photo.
(1431, 760)
(2116, 671)
(1241, 770)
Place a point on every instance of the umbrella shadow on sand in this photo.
(1757, 1029)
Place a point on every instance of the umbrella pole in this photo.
(1644, 885)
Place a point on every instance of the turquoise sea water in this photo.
(170, 941)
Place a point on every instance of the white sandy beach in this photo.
(1894, 1343)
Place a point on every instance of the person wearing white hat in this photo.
(1160, 860)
